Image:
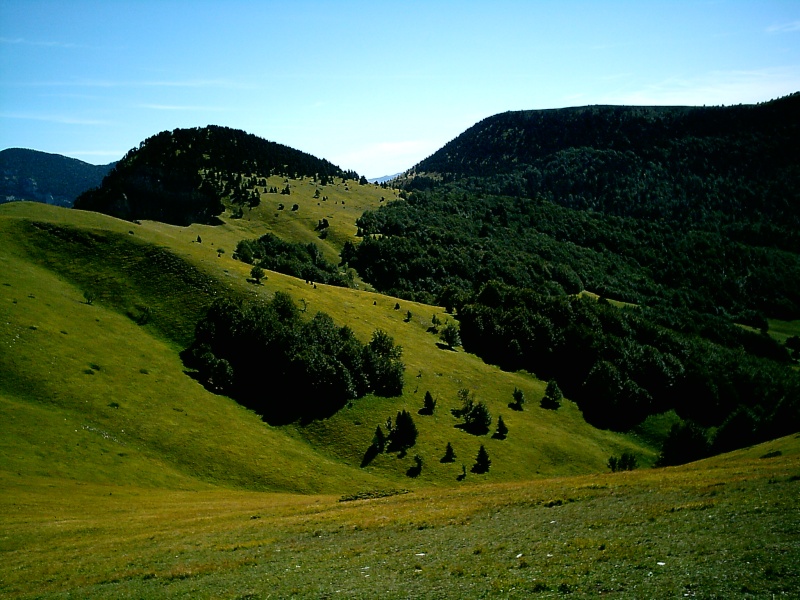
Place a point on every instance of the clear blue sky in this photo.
(372, 86)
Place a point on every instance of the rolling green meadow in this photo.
(121, 476)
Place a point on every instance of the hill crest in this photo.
(181, 176)
(44, 177)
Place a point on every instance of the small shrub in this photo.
(450, 335)
(257, 273)
(519, 400)
(552, 396)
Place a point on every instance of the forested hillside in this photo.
(181, 176)
(690, 216)
(686, 165)
(50, 178)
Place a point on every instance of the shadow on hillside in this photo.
(414, 471)
(473, 430)
(369, 455)
(274, 414)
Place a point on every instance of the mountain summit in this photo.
(176, 176)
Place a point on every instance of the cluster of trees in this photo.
(299, 260)
(242, 350)
(399, 437)
(475, 415)
(626, 462)
(620, 365)
(181, 176)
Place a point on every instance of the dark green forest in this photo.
(43, 177)
(690, 216)
(181, 176)
(287, 368)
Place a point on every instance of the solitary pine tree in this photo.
(449, 454)
(428, 405)
(379, 439)
(482, 461)
(502, 430)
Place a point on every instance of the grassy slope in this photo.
(137, 500)
(55, 267)
(721, 528)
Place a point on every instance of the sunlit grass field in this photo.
(121, 476)
(727, 527)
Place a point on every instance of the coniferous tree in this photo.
(502, 430)
(482, 461)
(417, 468)
(467, 399)
(519, 399)
(449, 454)
(428, 404)
(404, 433)
(379, 439)
(478, 420)
(450, 335)
(552, 396)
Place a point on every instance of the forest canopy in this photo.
(268, 358)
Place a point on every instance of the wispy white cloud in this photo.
(111, 83)
(717, 87)
(43, 43)
(784, 27)
(62, 119)
(178, 107)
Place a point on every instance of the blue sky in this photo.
(371, 86)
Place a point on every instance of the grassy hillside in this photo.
(721, 528)
(111, 369)
(121, 476)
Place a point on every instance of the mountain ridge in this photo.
(46, 177)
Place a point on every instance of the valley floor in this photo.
(721, 528)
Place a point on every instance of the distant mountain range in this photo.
(43, 177)
(384, 179)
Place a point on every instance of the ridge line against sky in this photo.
(374, 87)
